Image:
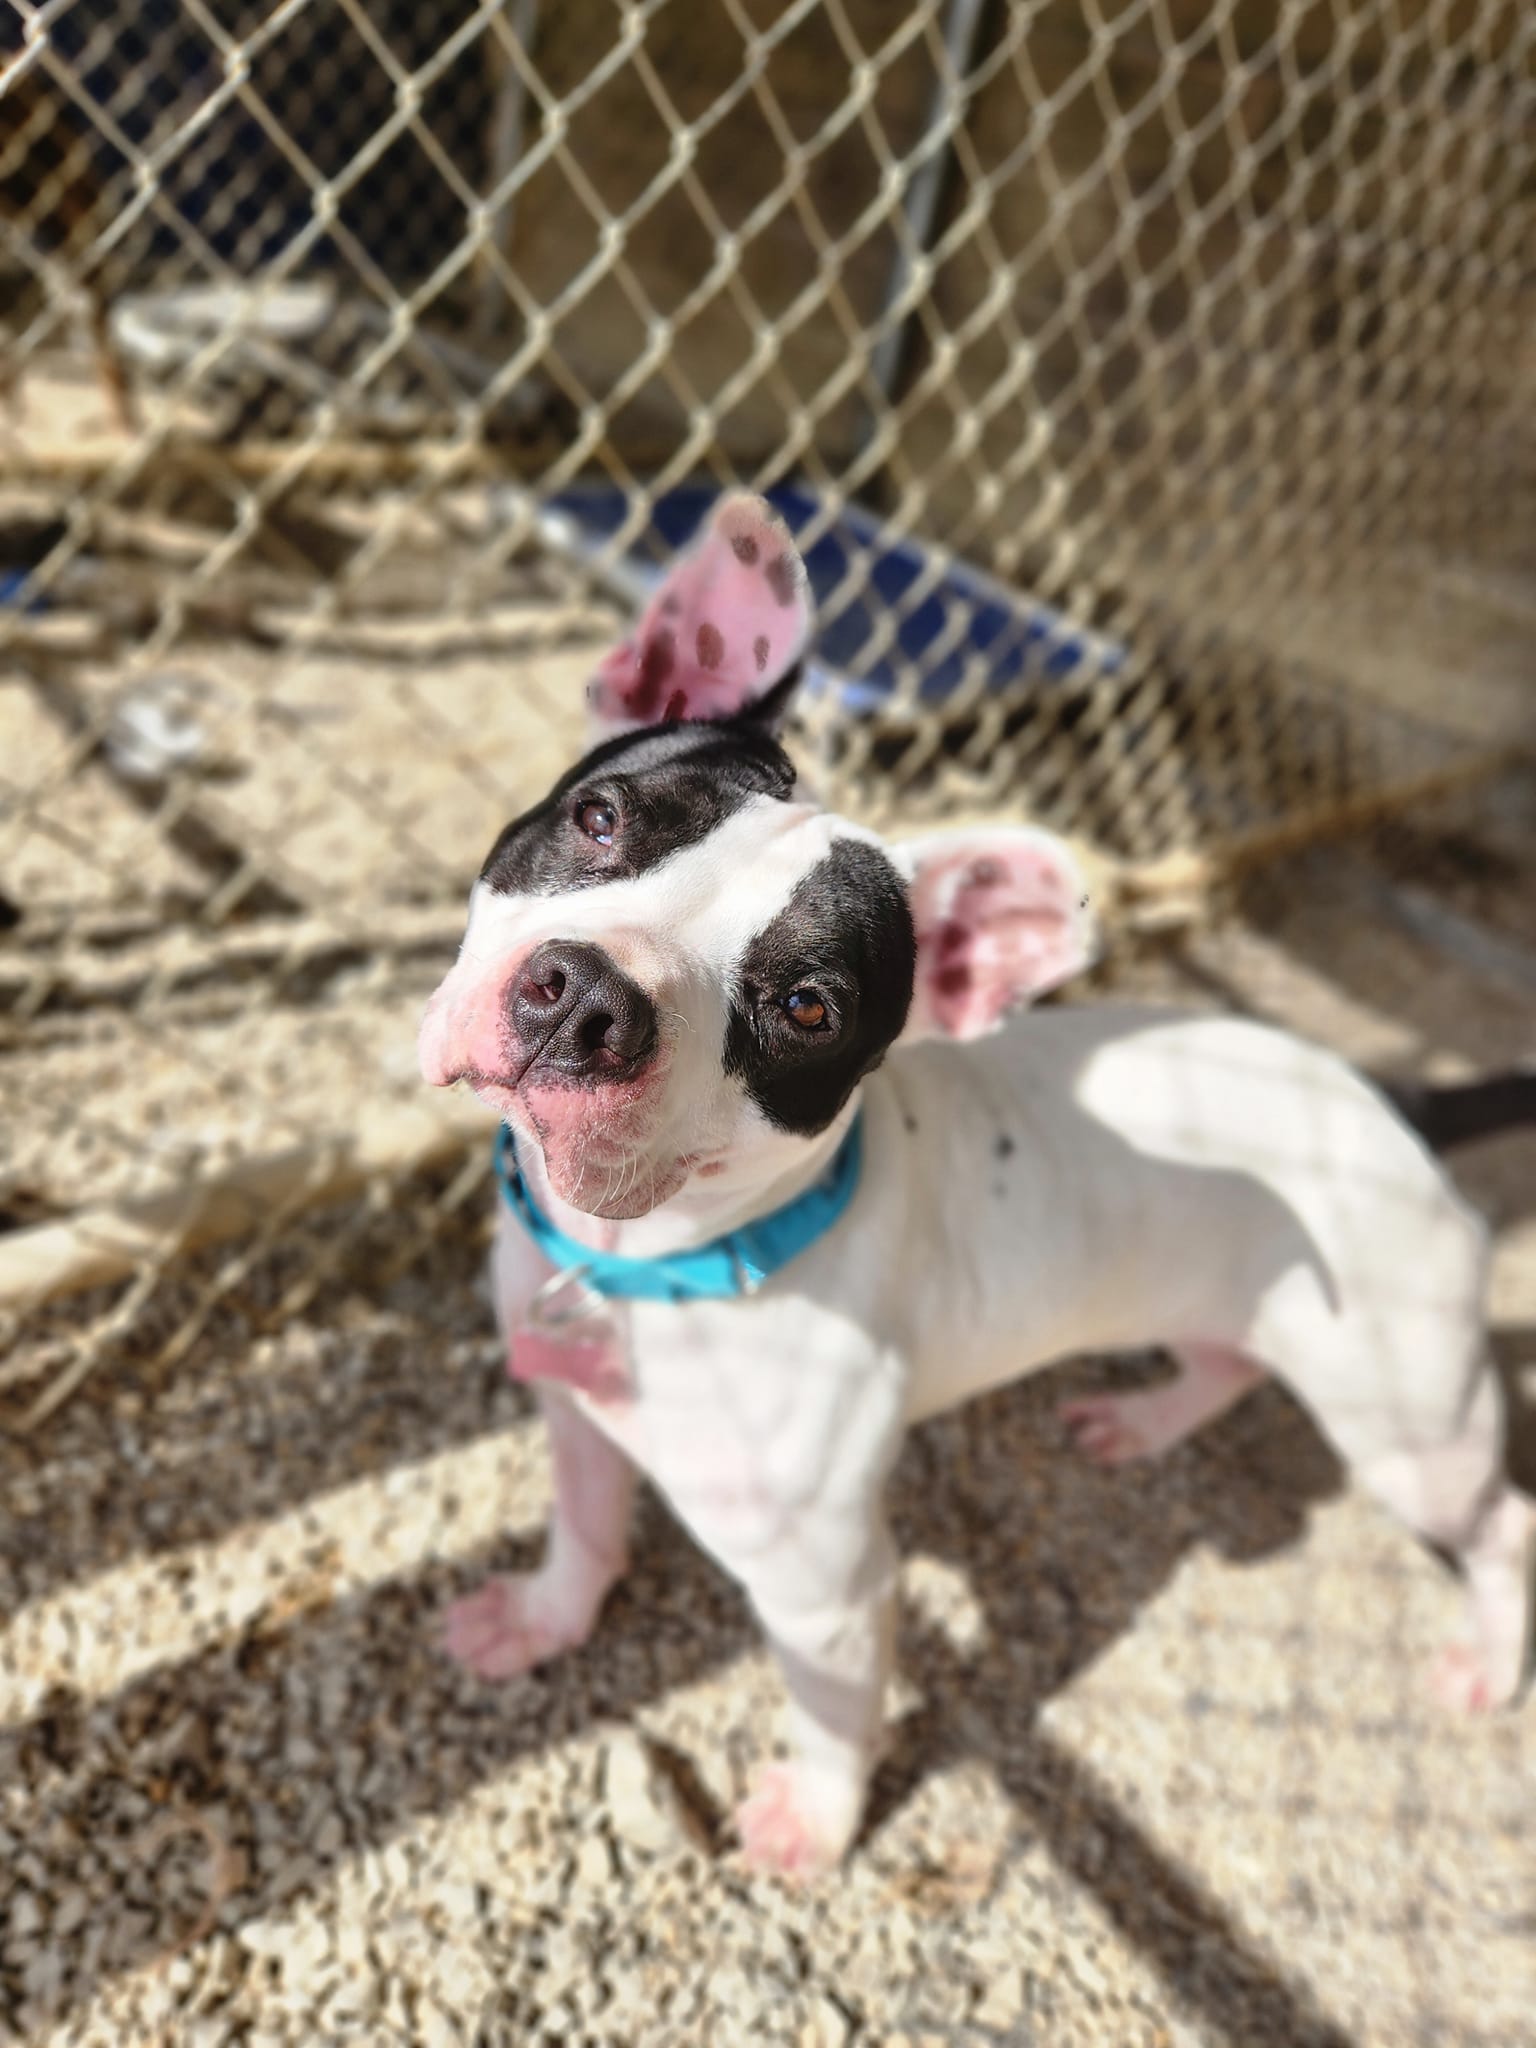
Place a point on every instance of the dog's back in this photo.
(1097, 1178)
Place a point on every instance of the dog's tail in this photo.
(1465, 1111)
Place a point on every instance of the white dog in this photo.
(781, 1185)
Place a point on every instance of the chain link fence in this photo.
(1151, 386)
(1148, 386)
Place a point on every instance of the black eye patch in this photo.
(846, 933)
(669, 787)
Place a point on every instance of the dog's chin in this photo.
(626, 1208)
(610, 1184)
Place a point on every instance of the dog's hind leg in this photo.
(1499, 1559)
(1456, 1495)
(1115, 1429)
(1429, 1444)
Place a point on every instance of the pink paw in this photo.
(777, 1835)
(500, 1631)
(1460, 1680)
(1105, 1429)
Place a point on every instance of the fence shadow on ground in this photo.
(355, 1688)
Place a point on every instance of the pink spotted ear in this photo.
(729, 622)
(1001, 916)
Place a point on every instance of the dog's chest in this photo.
(756, 1420)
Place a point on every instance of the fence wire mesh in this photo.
(1149, 383)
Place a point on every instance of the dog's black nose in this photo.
(577, 1013)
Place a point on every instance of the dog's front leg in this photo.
(835, 1655)
(515, 1622)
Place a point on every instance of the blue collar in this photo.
(737, 1263)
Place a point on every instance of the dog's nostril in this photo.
(595, 1029)
(551, 988)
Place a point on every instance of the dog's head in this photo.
(678, 966)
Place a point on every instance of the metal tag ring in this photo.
(544, 1314)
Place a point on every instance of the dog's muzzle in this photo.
(579, 1015)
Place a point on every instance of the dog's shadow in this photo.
(1061, 1558)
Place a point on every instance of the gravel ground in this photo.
(1162, 1766)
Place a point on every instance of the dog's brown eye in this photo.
(599, 821)
(807, 1009)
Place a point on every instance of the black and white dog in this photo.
(781, 1185)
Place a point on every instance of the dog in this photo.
(779, 1183)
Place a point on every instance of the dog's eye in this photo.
(598, 820)
(806, 1009)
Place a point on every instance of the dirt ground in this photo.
(1163, 1767)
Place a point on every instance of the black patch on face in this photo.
(667, 789)
(846, 935)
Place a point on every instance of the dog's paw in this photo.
(505, 1629)
(1462, 1682)
(1459, 1681)
(1111, 1429)
(781, 1831)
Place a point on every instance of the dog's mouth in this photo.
(496, 1091)
(604, 1105)
(595, 1112)
(598, 1142)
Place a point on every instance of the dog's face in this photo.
(677, 966)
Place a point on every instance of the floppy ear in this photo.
(1001, 916)
(728, 625)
